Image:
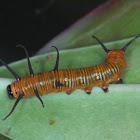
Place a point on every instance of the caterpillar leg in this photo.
(88, 90)
(120, 81)
(69, 91)
(105, 86)
(106, 90)
(113, 82)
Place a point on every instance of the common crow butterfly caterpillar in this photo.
(70, 79)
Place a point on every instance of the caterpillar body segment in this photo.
(72, 79)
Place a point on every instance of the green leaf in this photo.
(5, 136)
(77, 116)
(114, 20)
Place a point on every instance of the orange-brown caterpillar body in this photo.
(70, 79)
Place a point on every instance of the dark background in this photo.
(34, 23)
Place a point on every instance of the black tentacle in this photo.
(57, 61)
(28, 60)
(18, 99)
(106, 50)
(125, 47)
(36, 93)
(14, 74)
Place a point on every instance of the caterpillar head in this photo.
(115, 50)
(9, 91)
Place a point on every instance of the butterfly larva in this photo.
(70, 79)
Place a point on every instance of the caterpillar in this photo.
(69, 79)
